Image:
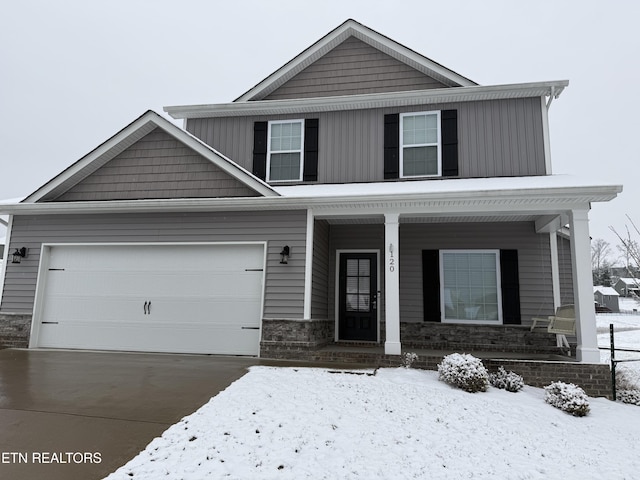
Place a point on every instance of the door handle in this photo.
(145, 307)
(149, 308)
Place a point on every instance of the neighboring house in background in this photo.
(627, 287)
(607, 297)
(361, 193)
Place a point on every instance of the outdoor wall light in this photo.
(19, 254)
(284, 255)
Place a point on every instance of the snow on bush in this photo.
(509, 381)
(567, 397)
(628, 390)
(629, 396)
(408, 358)
(464, 371)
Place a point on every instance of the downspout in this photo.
(544, 107)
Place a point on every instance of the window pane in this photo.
(352, 284)
(363, 284)
(419, 129)
(470, 286)
(284, 166)
(420, 161)
(286, 136)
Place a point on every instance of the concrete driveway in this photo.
(81, 415)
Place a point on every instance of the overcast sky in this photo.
(73, 73)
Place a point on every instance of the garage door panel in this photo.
(203, 298)
(219, 339)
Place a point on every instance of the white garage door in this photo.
(153, 298)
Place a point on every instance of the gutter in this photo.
(366, 101)
(517, 199)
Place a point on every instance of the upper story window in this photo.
(285, 154)
(420, 145)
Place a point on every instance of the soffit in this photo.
(368, 101)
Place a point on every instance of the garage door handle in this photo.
(250, 328)
(149, 308)
(145, 307)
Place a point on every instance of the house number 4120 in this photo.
(392, 259)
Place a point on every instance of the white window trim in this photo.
(437, 144)
(499, 320)
(301, 151)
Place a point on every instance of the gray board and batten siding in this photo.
(495, 138)
(284, 284)
(156, 166)
(353, 68)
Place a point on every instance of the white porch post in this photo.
(392, 344)
(587, 350)
(308, 266)
(555, 270)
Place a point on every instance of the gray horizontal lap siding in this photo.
(320, 271)
(353, 68)
(565, 271)
(284, 290)
(156, 166)
(495, 138)
(534, 261)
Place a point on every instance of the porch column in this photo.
(587, 350)
(555, 270)
(392, 284)
(308, 266)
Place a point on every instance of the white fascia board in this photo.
(145, 123)
(537, 200)
(365, 34)
(366, 101)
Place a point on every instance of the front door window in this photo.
(358, 300)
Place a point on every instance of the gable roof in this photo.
(129, 135)
(605, 290)
(351, 28)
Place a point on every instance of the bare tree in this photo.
(600, 251)
(600, 264)
(629, 247)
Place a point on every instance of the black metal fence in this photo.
(615, 362)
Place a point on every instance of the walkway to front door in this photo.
(357, 307)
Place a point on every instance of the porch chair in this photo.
(563, 323)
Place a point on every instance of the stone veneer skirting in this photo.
(14, 330)
(489, 338)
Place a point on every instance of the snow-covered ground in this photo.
(626, 326)
(303, 423)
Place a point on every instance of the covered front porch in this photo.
(379, 273)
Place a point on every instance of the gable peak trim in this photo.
(126, 137)
(352, 28)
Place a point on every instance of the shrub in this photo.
(408, 358)
(509, 381)
(464, 371)
(629, 396)
(628, 388)
(567, 397)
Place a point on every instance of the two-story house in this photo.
(362, 193)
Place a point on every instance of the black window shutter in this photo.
(392, 145)
(510, 287)
(449, 134)
(260, 150)
(310, 173)
(431, 285)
